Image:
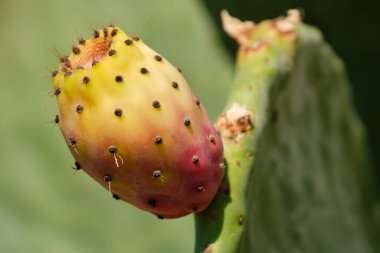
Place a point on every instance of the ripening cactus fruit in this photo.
(133, 124)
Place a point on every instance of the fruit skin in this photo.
(133, 124)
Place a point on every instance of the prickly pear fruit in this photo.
(133, 124)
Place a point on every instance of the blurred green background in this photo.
(45, 206)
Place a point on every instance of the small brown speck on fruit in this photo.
(156, 104)
(82, 41)
(54, 73)
(57, 91)
(144, 71)
(195, 159)
(72, 142)
(174, 84)
(158, 139)
(200, 189)
(110, 43)
(56, 119)
(76, 50)
(187, 122)
(211, 138)
(135, 38)
(79, 109)
(77, 166)
(128, 42)
(105, 32)
(63, 59)
(118, 79)
(179, 69)
(158, 58)
(156, 174)
(96, 34)
(115, 196)
(86, 80)
(197, 101)
(67, 64)
(118, 112)
(112, 52)
(152, 202)
(112, 150)
(94, 62)
(114, 32)
(107, 178)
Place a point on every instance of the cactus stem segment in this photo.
(241, 220)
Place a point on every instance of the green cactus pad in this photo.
(298, 176)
